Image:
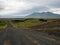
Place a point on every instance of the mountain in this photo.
(35, 15)
(43, 15)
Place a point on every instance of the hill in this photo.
(43, 15)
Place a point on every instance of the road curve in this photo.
(13, 36)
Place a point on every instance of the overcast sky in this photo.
(25, 7)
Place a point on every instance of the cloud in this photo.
(35, 9)
(54, 3)
(13, 6)
(23, 7)
(55, 10)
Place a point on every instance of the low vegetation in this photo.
(3, 25)
(28, 23)
(45, 25)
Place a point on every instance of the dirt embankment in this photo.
(48, 26)
(51, 28)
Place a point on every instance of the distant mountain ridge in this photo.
(43, 15)
(35, 15)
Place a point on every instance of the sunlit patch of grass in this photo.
(25, 24)
(7, 42)
(3, 27)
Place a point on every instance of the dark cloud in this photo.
(1, 6)
(55, 3)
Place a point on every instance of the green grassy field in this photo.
(28, 23)
(3, 25)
